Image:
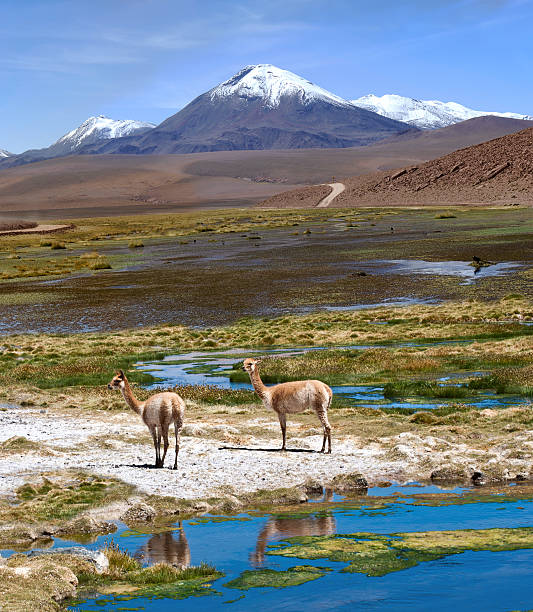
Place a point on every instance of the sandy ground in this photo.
(102, 185)
(39, 229)
(216, 455)
(203, 466)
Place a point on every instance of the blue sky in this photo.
(62, 61)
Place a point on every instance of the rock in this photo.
(86, 525)
(450, 472)
(21, 535)
(313, 487)
(350, 482)
(139, 513)
(94, 557)
(195, 430)
(478, 479)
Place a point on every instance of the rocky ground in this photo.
(499, 171)
(221, 456)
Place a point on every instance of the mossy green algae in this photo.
(378, 555)
(293, 576)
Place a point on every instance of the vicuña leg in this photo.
(165, 445)
(327, 432)
(283, 424)
(177, 431)
(153, 431)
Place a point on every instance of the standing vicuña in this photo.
(158, 411)
(291, 397)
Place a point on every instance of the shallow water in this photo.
(208, 368)
(466, 581)
(463, 269)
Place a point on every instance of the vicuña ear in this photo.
(121, 373)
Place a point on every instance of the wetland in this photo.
(431, 365)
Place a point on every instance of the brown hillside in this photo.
(94, 185)
(494, 172)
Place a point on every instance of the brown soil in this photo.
(102, 185)
(9, 226)
(499, 171)
(308, 197)
(34, 229)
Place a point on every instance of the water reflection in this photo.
(168, 547)
(282, 527)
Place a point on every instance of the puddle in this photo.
(463, 269)
(400, 301)
(493, 577)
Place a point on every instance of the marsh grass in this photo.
(62, 499)
(90, 371)
(126, 570)
(425, 389)
(211, 394)
(517, 380)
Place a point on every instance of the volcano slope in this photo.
(496, 172)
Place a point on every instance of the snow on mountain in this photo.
(270, 84)
(425, 114)
(4, 153)
(101, 128)
(260, 107)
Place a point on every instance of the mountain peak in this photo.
(270, 84)
(425, 114)
(4, 153)
(101, 127)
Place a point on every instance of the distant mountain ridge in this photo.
(425, 114)
(99, 128)
(92, 131)
(261, 107)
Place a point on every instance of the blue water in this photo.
(467, 581)
(183, 370)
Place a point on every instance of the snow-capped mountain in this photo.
(4, 153)
(261, 107)
(101, 128)
(270, 84)
(425, 114)
(94, 130)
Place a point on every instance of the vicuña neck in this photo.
(131, 400)
(257, 383)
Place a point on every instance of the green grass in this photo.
(94, 371)
(278, 579)
(56, 500)
(425, 389)
(510, 380)
(211, 394)
(378, 555)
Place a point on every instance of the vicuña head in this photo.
(250, 364)
(118, 381)
(157, 412)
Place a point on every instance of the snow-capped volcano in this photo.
(260, 107)
(101, 128)
(271, 84)
(4, 153)
(425, 114)
(93, 131)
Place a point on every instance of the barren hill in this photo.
(89, 185)
(499, 171)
